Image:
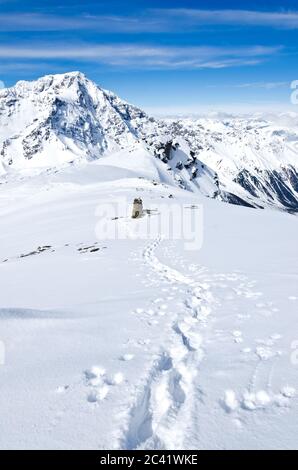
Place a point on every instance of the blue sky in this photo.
(167, 57)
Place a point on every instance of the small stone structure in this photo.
(137, 209)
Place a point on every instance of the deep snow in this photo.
(135, 343)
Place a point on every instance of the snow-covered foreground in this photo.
(130, 344)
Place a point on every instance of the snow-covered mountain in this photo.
(66, 118)
(62, 119)
(256, 159)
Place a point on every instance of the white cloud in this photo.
(255, 85)
(265, 85)
(279, 19)
(143, 56)
(152, 21)
(102, 23)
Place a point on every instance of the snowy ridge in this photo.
(256, 159)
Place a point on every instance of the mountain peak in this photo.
(54, 83)
(66, 115)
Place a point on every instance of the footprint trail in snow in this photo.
(164, 407)
(174, 397)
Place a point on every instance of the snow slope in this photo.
(140, 343)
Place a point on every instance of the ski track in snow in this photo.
(165, 405)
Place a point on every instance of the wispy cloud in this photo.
(152, 21)
(255, 85)
(102, 23)
(277, 19)
(144, 56)
(264, 85)
(18, 68)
